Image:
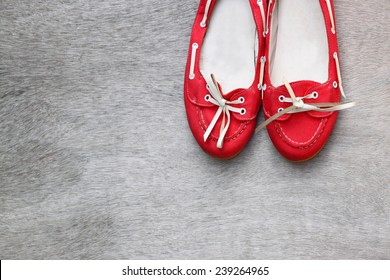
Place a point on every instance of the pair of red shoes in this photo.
(244, 53)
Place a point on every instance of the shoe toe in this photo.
(301, 137)
(236, 138)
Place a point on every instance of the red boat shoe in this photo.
(223, 73)
(301, 48)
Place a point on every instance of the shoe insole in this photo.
(299, 44)
(230, 44)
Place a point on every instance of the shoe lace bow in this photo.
(224, 108)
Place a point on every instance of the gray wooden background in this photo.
(97, 160)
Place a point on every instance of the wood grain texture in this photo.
(97, 160)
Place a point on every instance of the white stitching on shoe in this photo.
(308, 141)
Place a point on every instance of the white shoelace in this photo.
(261, 86)
(336, 58)
(206, 13)
(195, 47)
(215, 97)
(298, 105)
(266, 26)
(262, 12)
(333, 28)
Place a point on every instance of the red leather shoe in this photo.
(301, 47)
(223, 73)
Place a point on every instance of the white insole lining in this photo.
(299, 44)
(230, 46)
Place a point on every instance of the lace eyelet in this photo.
(315, 95)
(243, 111)
(192, 76)
(262, 87)
(241, 99)
(335, 84)
(281, 98)
(207, 97)
(280, 110)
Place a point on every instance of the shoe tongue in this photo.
(229, 95)
(301, 87)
